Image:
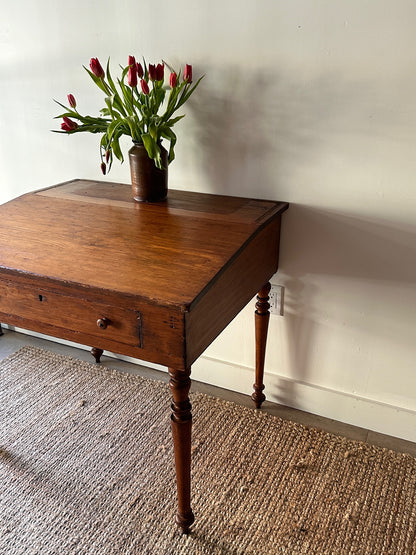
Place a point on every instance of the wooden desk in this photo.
(82, 261)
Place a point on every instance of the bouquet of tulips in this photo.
(136, 108)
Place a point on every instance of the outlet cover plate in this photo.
(276, 299)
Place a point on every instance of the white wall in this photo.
(309, 101)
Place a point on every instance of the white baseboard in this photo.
(336, 405)
(344, 407)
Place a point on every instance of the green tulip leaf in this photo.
(116, 148)
(149, 144)
(97, 80)
(153, 131)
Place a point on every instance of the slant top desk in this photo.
(82, 261)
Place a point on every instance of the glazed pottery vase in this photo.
(149, 183)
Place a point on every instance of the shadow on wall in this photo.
(339, 244)
(328, 243)
(252, 130)
(236, 118)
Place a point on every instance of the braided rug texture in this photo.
(86, 467)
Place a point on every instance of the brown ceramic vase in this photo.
(149, 183)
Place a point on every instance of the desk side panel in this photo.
(232, 289)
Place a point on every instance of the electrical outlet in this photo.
(276, 299)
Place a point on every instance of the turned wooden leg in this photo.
(96, 353)
(181, 421)
(262, 316)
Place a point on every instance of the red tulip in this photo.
(160, 72)
(144, 86)
(173, 80)
(96, 68)
(71, 101)
(103, 168)
(68, 124)
(107, 155)
(139, 70)
(152, 72)
(132, 61)
(132, 76)
(187, 74)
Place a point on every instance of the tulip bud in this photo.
(139, 70)
(187, 74)
(132, 61)
(144, 86)
(96, 68)
(68, 124)
(132, 76)
(173, 80)
(103, 168)
(152, 72)
(72, 101)
(160, 72)
(107, 155)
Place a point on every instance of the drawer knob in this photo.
(103, 323)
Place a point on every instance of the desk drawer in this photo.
(79, 315)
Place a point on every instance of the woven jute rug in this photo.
(86, 466)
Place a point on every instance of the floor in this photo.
(11, 341)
